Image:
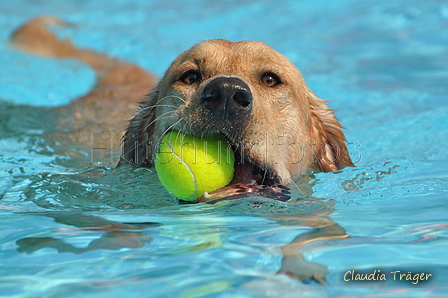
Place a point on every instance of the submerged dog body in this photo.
(252, 95)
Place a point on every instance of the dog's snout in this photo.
(227, 97)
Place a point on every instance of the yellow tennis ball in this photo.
(189, 166)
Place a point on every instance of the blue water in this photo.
(384, 66)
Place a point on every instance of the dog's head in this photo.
(253, 96)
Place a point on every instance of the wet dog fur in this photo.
(261, 105)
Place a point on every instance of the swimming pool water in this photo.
(383, 65)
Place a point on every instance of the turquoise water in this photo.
(383, 65)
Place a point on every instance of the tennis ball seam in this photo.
(187, 165)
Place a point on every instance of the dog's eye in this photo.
(270, 79)
(190, 77)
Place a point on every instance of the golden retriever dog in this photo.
(246, 91)
(252, 95)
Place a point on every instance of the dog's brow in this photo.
(186, 66)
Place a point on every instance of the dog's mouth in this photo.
(251, 179)
(248, 171)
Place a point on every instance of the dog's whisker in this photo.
(158, 118)
(171, 96)
(159, 105)
(163, 134)
(166, 131)
(297, 186)
(150, 107)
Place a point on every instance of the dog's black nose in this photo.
(227, 98)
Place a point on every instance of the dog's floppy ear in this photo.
(137, 148)
(331, 153)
